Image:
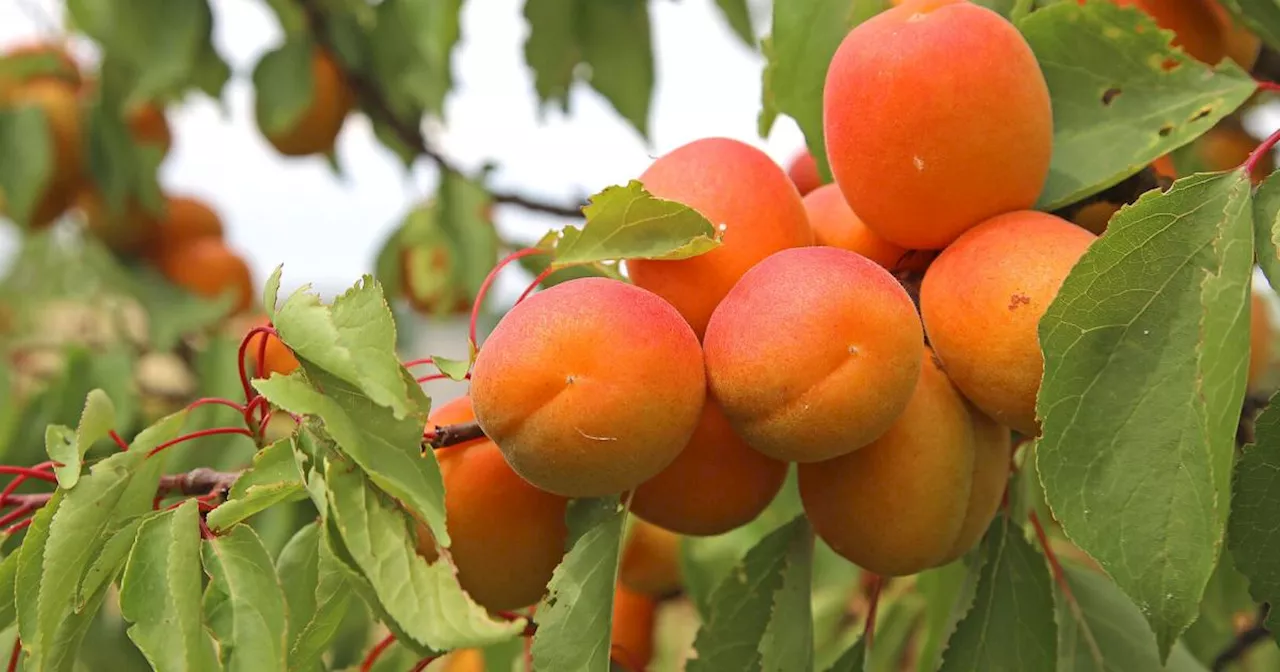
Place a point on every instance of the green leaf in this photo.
(1266, 233)
(1122, 96)
(26, 139)
(387, 449)
(284, 86)
(616, 45)
(29, 571)
(316, 593)
(412, 45)
(739, 624)
(425, 600)
(8, 597)
(273, 479)
(271, 293)
(243, 603)
(1252, 534)
(738, 16)
(551, 50)
(160, 592)
(110, 560)
(943, 589)
(1261, 16)
(60, 444)
(354, 339)
(630, 223)
(1010, 626)
(852, 659)
(787, 644)
(455, 369)
(64, 446)
(1148, 339)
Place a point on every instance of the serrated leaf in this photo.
(1252, 534)
(787, 645)
(852, 659)
(738, 16)
(575, 616)
(68, 447)
(8, 604)
(160, 592)
(60, 444)
(273, 479)
(316, 593)
(284, 86)
(614, 38)
(1010, 626)
(943, 588)
(271, 293)
(425, 600)
(740, 610)
(30, 563)
(1266, 210)
(630, 223)
(353, 339)
(388, 450)
(104, 568)
(26, 139)
(1122, 96)
(243, 603)
(1148, 338)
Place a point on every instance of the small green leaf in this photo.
(160, 592)
(1261, 16)
(1011, 625)
(316, 593)
(738, 16)
(273, 479)
(948, 593)
(271, 293)
(852, 659)
(455, 369)
(8, 596)
(1252, 534)
(243, 603)
(68, 448)
(60, 444)
(284, 86)
(26, 140)
(1122, 96)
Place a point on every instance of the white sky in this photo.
(326, 230)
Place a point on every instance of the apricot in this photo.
(992, 454)
(184, 219)
(803, 171)
(317, 127)
(590, 387)
(463, 660)
(1196, 28)
(835, 224)
(39, 60)
(1095, 216)
(1163, 167)
(650, 562)
(148, 126)
(208, 268)
(508, 536)
(1259, 340)
(918, 173)
(1227, 146)
(896, 507)
(813, 354)
(1242, 45)
(631, 636)
(982, 300)
(716, 484)
(127, 230)
(278, 358)
(56, 98)
(742, 191)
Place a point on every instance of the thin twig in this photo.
(1245, 640)
(200, 481)
(451, 435)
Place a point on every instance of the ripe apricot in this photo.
(56, 98)
(1227, 146)
(813, 354)
(39, 60)
(207, 267)
(1095, 216)
(982, 300)
(631, 636)
(1259, 340)
(992, 453)
(508, 536)
(745, 481)
(835, 224)
(650, 562)
(127, 231)
(1196, 27)
(317, 127)
(590, 387)
(895, 507)
(148, 125)
(740, 189)
(463, 660)
(803, 171)
(277, 359)
(1242, 45)
(920, 174)
(185, 218)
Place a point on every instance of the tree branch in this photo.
(1245, 640)
(200, 481)
(452, 435)
(377, 107)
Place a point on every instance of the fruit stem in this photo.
(19, 480)
(119, 441)
(1264, 85)
(205, 401)
(249, 393)
(15, 528)
(869, 628)
(28, 472)
(546, 272)
(422, 664)
(200, 434)
(488, 281)
(24, 509)
(1260, 152)
(1060, 577)
(376, 652)
(418, 362)
(15, 654)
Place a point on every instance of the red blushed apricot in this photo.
(896, 506)
(631, 638)
(716, 484)
(1196, 27)
(835, 224)
(918, 173)
(650, 562)
(982, 300)
(508, 536)
(813, 354)
(590, 387)
(803, 171)
(992, 454)
(740, 189)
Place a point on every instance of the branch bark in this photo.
(452, 435)
(1244, 641)
(201, 481)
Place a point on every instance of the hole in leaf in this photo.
(1170, 64)
(1201, 113)
(1165, 130)
(1110, 95)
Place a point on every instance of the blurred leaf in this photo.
(284, 86)
(834, 580)
(1252, 534)
(291, 17)
(273, 479)
(425, 600)
(1226, 600)
(412, 46)
(122, 170)
(26, 143)
(1011, 625)
(852, 659)
(243, 602)
(574, 618)
(1157, 363)
(173, 313)
(1266, 228)
(1261, 16)
(97, 420)
(738, 16)
(317, 596)
(1122, 96)
(216, 368)
(160, 592)
(551, 50)
(897, 621)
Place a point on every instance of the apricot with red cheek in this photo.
(803, 171)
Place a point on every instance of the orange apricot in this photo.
(148, 126)
(742, 191)
(803, 171)
(716, 484)
(185, 218)
(992, 454)
(39, 60)
(1196, 27)
(1227, 146)
(56, 98)
(317, 127)
(1163, 167)
(1259, 340)
(463, 660)
(590, 387)
(127, 231)
(650, 562)
(1242, 45)
(508, 536)
(813, 354)
(895, 507)
(1095, 216)
(631, 636)
(982, 300)
(278, 358)
(835, 224)
(207, 267)
(920, 174)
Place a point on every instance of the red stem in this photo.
(244, 348)
(119, 441)
(488, 280)
(1267, 86)
(262, 357)
(16, 654)
(869, 628)
(1260, 152)
(374, 653)
(28, 472)
(14, 528)
(422, 664)
(418, 362)
(17, 482)
(215, 400)
(200, 434)
(17, 513)
(536, 281)
(1058, 574)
